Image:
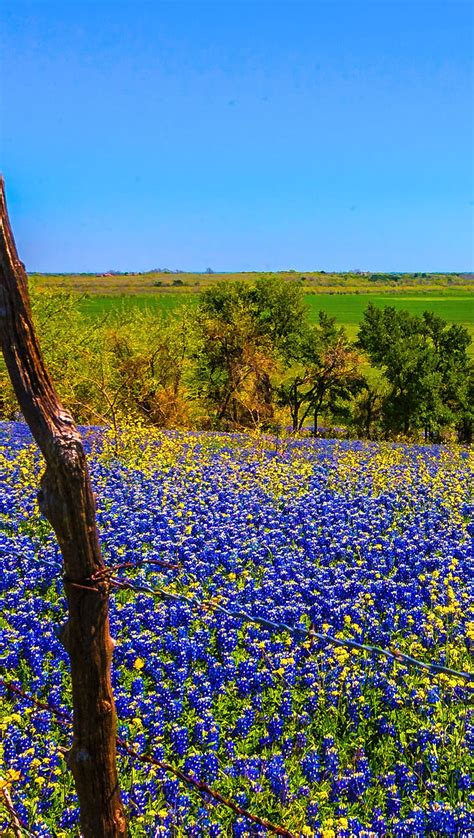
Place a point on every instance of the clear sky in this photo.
(238, 135)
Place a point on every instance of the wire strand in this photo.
(297, 632)
(65, 720)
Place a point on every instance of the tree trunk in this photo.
(295, 409)
(67, 501)
(317, 409)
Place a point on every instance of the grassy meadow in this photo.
(343, 296)
(348, 309)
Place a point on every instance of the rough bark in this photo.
(66, 499)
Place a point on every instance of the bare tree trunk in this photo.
(66, 499)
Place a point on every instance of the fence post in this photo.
(67, 501)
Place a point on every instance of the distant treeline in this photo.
(247, 356)
(370, 275)
(126, 282)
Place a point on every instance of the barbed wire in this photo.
(106, 574)
(295, 631)
(63, 717)
(65, 720)
(134, 565)
(203, 787)
(17, 824)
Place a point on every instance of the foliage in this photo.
(361, 540)
(131, 363)
(249, 356)
(426, 365)
(142, 369)
(367, 411)
(243, 332)
(114, 282)
(328, 373)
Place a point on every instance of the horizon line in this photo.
(207, 272)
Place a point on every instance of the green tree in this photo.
(141, 368)
(326, 377)
(244, 333)
(66, 340)
(367, 410)
(465, 412)
(425, 363)
(129, 364)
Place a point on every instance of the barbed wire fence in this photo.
(101, 584)
(297, 632)
(65, 720)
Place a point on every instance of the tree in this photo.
(367, 410)
(425, 363)
(328, 373)
(243, 333)
(67, 501)
(127, 363)
(54, 316)
(465, 413)
(147, 359)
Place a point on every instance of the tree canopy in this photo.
(247, 355)
(427, 369)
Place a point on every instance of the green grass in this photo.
(348, 309)
(99, 306)
(344, 296)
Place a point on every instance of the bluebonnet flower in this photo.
(277, 777)
(322, 532)
(311, 766)
(245, 723)
(69, 818)
(464, 781)
(180, 740)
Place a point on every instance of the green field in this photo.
(348, 309)
(100, 305)
(343, 296)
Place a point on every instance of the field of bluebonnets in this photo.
(360, 540)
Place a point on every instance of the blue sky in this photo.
(238, 135)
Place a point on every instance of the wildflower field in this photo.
(363, 541)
